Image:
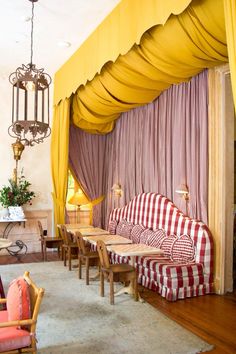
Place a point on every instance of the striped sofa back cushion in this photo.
(155, 211)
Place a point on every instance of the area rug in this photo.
(74, 319)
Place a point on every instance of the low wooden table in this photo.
(107, 239)
(92, 231)
(77, 226)
(132, 250)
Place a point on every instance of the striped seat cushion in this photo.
(182, 249)
(164, 266)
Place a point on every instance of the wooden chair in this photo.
(85, 254)
(125, 272)
(48, 242)
(19, 335)
(70, 247)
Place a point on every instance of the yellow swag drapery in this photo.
(123, 27)
(167, 54)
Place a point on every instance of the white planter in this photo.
(4, 213)
(16, 212)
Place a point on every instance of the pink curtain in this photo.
(153, 148)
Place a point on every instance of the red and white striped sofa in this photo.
(171, 278)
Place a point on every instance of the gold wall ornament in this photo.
(17, 148)
(30, 100)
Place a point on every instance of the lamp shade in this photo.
(116, 188)
(78, 198)
(182, 189)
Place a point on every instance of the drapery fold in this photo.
(167, 54)
(87, 161)
(153, 148)
(230, 24)
(59, 159)
(111, 38)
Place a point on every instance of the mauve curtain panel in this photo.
(153, 148)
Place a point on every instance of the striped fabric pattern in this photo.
(172, 279)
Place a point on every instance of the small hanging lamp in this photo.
(30, 100)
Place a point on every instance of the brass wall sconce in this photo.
(182, 190)
(116, 188)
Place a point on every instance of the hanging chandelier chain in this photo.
(32, 34)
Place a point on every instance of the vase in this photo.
(16, 212)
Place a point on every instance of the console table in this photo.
(19, 246)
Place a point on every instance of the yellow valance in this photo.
(168, 54)
(123, 27)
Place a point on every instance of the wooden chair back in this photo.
(66, 236)
(103, 254)
(36, 296)
(80, 243)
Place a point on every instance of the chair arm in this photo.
(17, 323)
(3, 301)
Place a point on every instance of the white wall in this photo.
(35, 160)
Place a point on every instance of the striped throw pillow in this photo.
(166, 244)
(136, 233)
(156, 238)
(112, 227)
(124, 228)
(183, 249)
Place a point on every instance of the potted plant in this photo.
(15, 195)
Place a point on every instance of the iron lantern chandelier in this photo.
(30, 100)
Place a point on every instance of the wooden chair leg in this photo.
(65, 256)
(44, 252)
(79, 268)
(135, 285)
(101, 283)
(69, 257)
(87, 270)
(111, 288)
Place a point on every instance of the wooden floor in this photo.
(211, 317)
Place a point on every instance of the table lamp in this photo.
(78, 199)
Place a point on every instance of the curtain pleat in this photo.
(153, 148)
(230, 24)
(59, 159)
(87, 161)
(167, 54)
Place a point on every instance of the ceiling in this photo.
(55, 21)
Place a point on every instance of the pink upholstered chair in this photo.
(18, 322)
